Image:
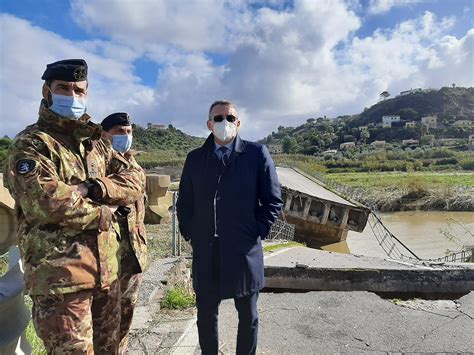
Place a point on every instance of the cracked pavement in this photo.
(354, 322)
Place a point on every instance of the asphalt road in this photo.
(354, 322)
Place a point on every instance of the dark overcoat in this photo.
(237, 204)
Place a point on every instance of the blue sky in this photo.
(280, 61)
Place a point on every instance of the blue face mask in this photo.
(122, 143)
(68, 106)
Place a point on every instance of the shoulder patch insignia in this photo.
(24, 166)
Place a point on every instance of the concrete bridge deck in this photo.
(302, 268)
(296, 181)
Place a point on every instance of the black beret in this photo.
(66, 70)
(116, 119)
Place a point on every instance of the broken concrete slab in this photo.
(302, 268)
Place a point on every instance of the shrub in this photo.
(467, 164)
(178, 298)
(447, 161)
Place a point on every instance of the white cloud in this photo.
(193, 25)
(414, 54)
(377, 7)
(25, 51)
(280, 64)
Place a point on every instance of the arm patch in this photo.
(25, 166)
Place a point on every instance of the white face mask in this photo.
(224, 131)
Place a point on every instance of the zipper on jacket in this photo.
(215, 207)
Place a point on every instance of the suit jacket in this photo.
(237, 204)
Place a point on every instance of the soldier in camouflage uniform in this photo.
(66, 189)
(133, 253)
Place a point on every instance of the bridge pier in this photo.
(321, 217)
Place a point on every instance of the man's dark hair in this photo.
(223, 103)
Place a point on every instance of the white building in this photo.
(410, 124)
(275, 148)
(156, 126)
(411, 91)
(429, 121)
(378, 144)
(388, 120)
(347, 145)
(410, 142)
(459, 123)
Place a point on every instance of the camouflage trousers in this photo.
(83, 322)
(129, 285)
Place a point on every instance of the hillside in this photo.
(449, 104)
(170, 139)
(453, 108)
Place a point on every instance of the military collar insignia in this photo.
(25, 166)
(80, 73)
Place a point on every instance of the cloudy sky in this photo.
(281, 62)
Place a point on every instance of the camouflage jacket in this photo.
(68, 242)
(133, 249)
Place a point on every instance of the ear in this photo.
(209, 125)
(107, 136)
(45, 91)
(238, 123)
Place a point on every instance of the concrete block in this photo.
(160, 200)
(7, 219)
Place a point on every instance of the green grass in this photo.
(35, 342)
(178, 298)
(3, 265)
(273, 247)
(403, 180)
(149, 160)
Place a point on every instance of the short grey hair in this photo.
(221, 103)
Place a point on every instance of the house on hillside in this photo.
(378, 144)
(411, 91)
(275, 148)
(384, 96)
(429, 121)
(460, 123)
(410, 124)
(410, 142)
(389, 119)
(470, 143)
(156, 126)
(347, 145)
(450, 142)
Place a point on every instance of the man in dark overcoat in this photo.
(229, 196)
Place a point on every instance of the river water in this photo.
(428, 234)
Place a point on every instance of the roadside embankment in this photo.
(398, 191)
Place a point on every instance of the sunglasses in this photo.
(220, 118)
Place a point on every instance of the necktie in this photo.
(224, 158)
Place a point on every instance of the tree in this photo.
(408, 114)
(364, 135)
(427, 139)
(290, 146)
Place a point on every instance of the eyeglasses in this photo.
(220, 118)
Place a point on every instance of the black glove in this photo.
(123, 211)
(94, 191)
